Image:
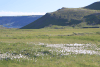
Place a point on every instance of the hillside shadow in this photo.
(48, 20)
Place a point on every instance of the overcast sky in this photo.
(38, 7)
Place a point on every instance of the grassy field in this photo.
(29, 47)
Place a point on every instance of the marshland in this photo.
(50, 47)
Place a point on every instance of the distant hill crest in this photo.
(94, 6)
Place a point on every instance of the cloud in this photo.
(10, 13)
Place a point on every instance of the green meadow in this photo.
(29, 47)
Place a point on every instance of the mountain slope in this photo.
(46, 20)
(62, 17)
(65, 17)
(93, 19)
(94, 6)
(17, 21)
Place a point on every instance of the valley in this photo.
(67, 37)
(17, 21)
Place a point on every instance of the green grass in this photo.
(49, 35)
(69, 61)
(25, 42)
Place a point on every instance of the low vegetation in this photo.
(48, 47)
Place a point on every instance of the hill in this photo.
(65, 17)
(17, 21)
(93, 19)
(94, 6)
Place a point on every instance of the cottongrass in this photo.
(66, 49)
(55, 49)
(11, 56)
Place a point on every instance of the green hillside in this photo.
(66, 17)
(93, 19)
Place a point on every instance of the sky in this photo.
(38, 7)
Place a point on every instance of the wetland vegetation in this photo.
(50, 47)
